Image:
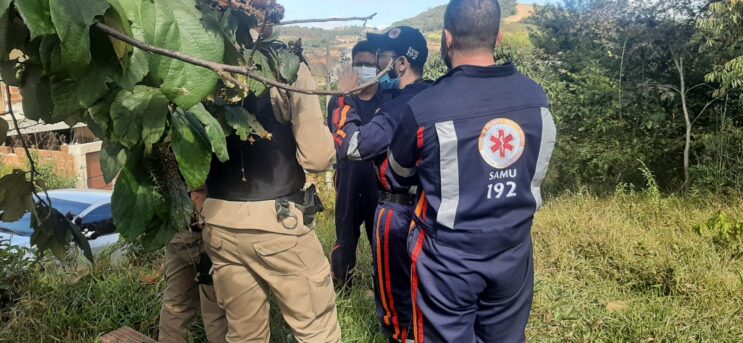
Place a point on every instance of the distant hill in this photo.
(327, 49)
(432, 19)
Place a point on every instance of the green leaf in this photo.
(50, 51)
(263, 68)
(134, 201)
(289, 65)
(136, 71)
(56, 232)
(129, 110)
(74, 96)
(177, 26)
(191, 147)
(113, 159)
(214, 130)
(115, 18)
(158, 235)
(4, 5)
(4, 127)
(15, 196)
(13, 34)
(72, 19)
(37, 95)
(36, 15)
(244, 123)
(99, 117)
(11, 72)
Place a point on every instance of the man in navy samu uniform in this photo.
(479, 142)
(395, 211)
(356, 191)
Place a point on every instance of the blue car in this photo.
(90, 209)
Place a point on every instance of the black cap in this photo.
(404, 41)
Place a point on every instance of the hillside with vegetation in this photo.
(326, 49)
(432, 19)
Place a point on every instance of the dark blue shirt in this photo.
(479, 144)
(370, 141)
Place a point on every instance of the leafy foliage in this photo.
(158, 137)
(725, 232)
(724, 27)
(610, 71)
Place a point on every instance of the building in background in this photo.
(71, 151)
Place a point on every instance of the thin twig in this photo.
(260, 38)
(220, 68)
(31, 163)
(326, 20)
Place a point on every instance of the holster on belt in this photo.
(307, 201)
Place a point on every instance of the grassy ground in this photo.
(627, 268)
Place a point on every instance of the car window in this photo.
(66, 207)
(99, 221)
(99, 214)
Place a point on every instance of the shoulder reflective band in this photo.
(547, 146)
(397, 168)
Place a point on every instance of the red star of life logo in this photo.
(502, 143)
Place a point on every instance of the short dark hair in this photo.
(475, 24)
(364, 46)
(418, 69)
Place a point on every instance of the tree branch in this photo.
(326, 20)
(220, 68)
(704, 110)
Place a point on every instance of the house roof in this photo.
(28, 126)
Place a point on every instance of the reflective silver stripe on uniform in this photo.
(546, 147)
(449, 168)
(397, 168)
(353, 152)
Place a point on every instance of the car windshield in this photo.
(23, 226)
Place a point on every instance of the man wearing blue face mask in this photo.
(356, 189)
(388, 82)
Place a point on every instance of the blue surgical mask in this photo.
(387, 83)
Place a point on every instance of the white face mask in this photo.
(366, 74)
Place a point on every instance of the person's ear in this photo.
(500, 38)
(448, 38)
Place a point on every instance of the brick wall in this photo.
(15, 94)
(62, 161)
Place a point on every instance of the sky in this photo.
(388, 11)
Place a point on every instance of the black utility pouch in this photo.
(312, 204)
(204, 271)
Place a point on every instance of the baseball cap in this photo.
(404, 41)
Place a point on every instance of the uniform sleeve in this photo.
(345, 119)
(371, 140)
(332, 108)
(315, 149)
(403, 153)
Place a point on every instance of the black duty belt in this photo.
(402, 199)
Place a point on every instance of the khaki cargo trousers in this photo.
(184, 296)
(254, 255)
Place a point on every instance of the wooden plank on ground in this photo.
(126, 335)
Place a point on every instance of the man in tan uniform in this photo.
(184, 296)
(255, 231)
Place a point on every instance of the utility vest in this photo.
(259, 171)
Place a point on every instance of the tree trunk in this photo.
(687, 118)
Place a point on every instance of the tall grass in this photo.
(625, 268)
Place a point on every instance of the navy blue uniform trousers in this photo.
(466, 295)
(392, 269)
(356, 201)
